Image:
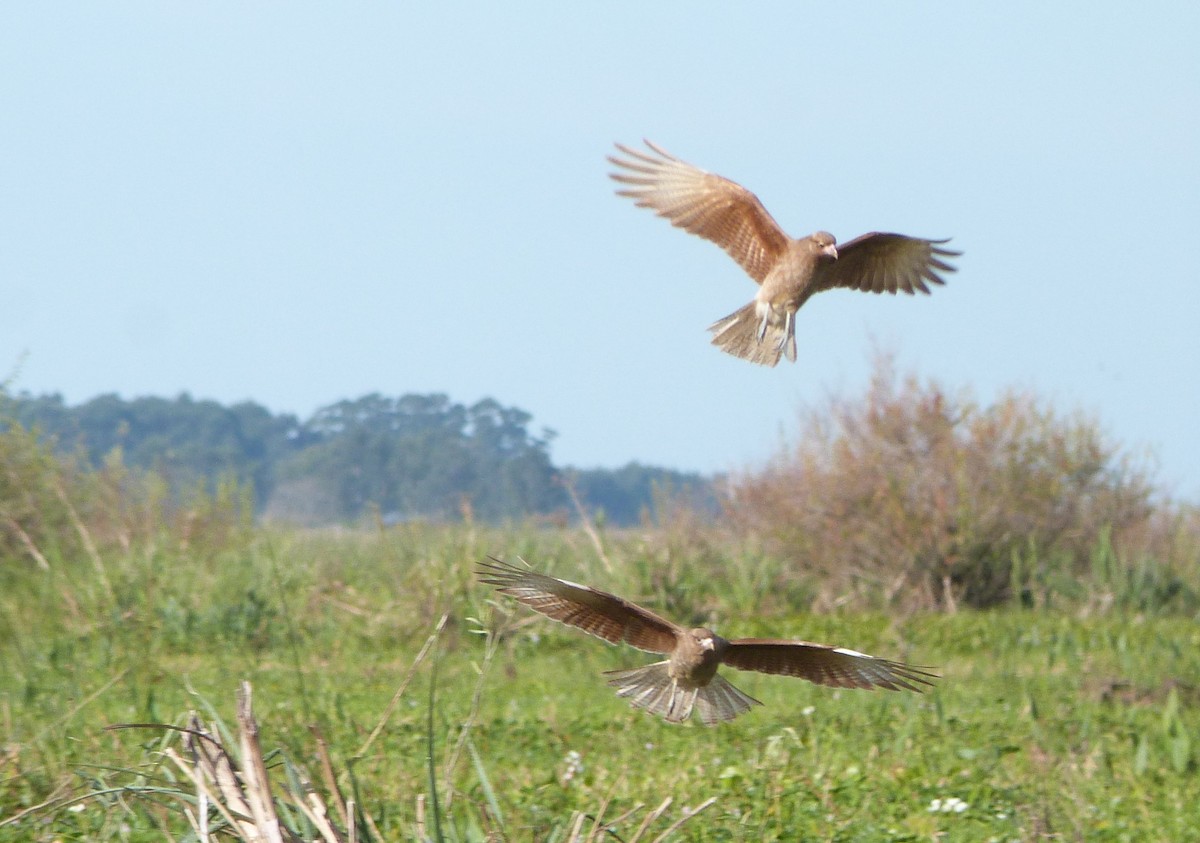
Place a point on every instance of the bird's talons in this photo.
(788, 328)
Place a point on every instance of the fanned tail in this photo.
(737, 334)
(719, 700)
(652, 689)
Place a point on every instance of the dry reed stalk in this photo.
(86, 538)
(257, 785)
(489, 651)
(344, 806)
(30, 547)
(200, 776)
(688, 815)
(588, 527)
(412, 670)
(242, 794)
(650, 818)
(420, 822)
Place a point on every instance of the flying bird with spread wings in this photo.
(788, 271)
(687, 681)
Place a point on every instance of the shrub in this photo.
(57, 507)
(917, 496)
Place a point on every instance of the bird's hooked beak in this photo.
(707, 644)
(830, 250)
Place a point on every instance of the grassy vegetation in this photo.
(1054, 589)
(1071, 723)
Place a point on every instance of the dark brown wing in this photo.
(597, 612)
(703, 204)
(879, 263)
(823, 664)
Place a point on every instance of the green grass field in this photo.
(1064, 724)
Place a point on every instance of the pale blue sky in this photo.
(298, 203)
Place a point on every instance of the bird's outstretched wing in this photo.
(823, 664)
(880, 262)
(703, 204)
(597, 612)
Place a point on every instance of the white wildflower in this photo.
(949, 805)
(573, 766)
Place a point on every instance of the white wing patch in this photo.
(854, 653)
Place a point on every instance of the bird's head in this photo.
(825, 244)
(705, 637)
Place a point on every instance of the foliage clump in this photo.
(930, 498)
(56, 506)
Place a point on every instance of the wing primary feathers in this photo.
(825, 665)
(596, 612)
(701, 203)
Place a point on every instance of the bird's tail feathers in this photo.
(738, 334)
(651, 688)
(721, 700)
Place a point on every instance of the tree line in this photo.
(398, 458)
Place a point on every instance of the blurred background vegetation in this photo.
(416, 456)
(153, 552)
(908, 495)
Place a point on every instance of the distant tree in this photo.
(415, 456)
(423, 456)
(628, 495)
(186, 441)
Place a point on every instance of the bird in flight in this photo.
(787, 270)
(687, 681)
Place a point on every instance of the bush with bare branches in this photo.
(926, 498)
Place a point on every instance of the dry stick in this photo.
(421, 835)
(28, 542)
(212, 759)
(199, 825)
(684, 819)
(616, 821)
(587, 525)
(598, 823)
(366, 815)
(317, 814)
(309, 801)
(197, 780)
(578, 817)
(649, 818)
(258, 787)
(433, 636)
(331, 780)
(489, 651)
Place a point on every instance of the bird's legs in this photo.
(771, 315)
(788, 328)
(762, 325)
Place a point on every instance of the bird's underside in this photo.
(788, 270)
(687, 682)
